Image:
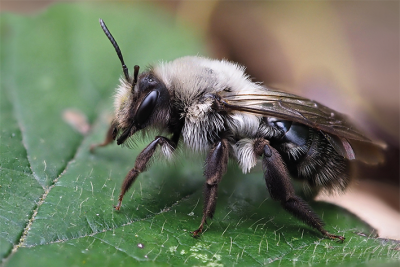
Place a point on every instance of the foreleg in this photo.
(110, 136)
(141, 164)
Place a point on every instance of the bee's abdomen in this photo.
(310, 157)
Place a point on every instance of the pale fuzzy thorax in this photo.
(190, 79)
(191, 76)
(122, 103)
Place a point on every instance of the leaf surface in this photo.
(57, 198)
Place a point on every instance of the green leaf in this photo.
(57, 198)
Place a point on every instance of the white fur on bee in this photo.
(122, 102)
(201, 129)
(167, 150)
(191, 77)
(244, 152)
(243, 124)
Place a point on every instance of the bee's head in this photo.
(139, 105)
(141, 100)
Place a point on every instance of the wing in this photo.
(337, 128)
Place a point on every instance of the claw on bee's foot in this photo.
(118, 206)
(197, 233)
(93, 147)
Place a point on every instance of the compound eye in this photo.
(146, 107)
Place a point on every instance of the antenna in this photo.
(135, 75)
(114, 43)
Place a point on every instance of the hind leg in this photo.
(280, 188)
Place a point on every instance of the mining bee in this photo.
(212, 106)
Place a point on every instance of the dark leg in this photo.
(280, 188)
(110, 136)
(215, 168)
(141, 164)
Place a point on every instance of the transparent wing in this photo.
(337, 128)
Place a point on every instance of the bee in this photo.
(212, 106)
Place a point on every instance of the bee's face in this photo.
(141, 106)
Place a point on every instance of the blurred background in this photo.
(344, 54)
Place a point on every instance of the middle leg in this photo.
(215, 168)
